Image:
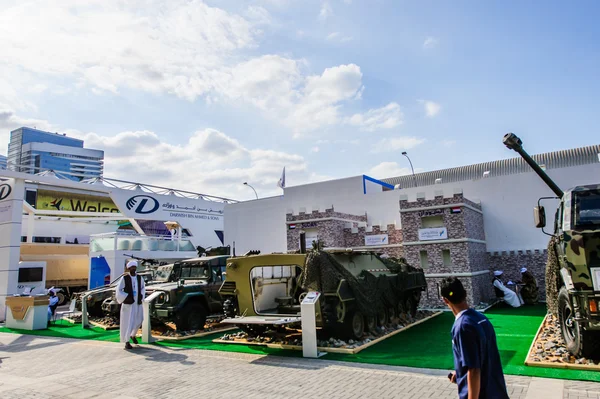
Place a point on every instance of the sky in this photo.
(205, 95)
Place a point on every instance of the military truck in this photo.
(190, 295)
(573, 269)
(359, 290)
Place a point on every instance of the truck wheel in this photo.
(371, 324)
(191, 317)
(354, 325)
(382, 317)
(62, 298)
(571, 331)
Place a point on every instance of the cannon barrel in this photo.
(511, 141)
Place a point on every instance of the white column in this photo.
(11, 216)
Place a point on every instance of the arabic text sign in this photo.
(166, 207)
(379, 239)
(434, 233)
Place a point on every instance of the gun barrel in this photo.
(514, 143)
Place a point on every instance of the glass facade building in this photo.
(34, 151)
(3, 162)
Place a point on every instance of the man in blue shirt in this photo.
(478, 369)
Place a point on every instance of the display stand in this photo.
(308, 312)
(84, 314)
(27, 312)
(146, 325)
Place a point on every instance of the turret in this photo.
(511, 141)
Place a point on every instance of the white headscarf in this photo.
(523, 269)
(132, 263)
(498, 273)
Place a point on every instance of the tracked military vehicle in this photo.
(573, 269)
(359, 291)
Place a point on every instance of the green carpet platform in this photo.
(424, 346)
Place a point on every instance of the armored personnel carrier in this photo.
(359, 290)
(573, 268)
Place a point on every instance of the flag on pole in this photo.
(281, 182)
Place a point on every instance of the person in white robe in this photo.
(504, 293)
(130, 293)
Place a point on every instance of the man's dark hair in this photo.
(452, 289)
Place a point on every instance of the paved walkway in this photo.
(36, 367)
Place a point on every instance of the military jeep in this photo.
(192, 293)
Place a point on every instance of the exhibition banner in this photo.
(378, 239)
(62, 201)
(434, 233)
(204, 220)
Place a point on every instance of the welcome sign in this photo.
(61, 201)
(378, 239)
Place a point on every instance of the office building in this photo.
(2, 162)
(35, 151)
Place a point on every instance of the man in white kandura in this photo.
(131, 291)
(504, 293)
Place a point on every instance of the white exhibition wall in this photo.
(507, 203)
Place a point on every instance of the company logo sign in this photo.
(142, 204)
(379, 239)
(5, 190)
(434, 233)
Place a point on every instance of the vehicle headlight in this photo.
(162, 298)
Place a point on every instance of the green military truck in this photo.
(190, 295)
(360, 290)
(573, 269)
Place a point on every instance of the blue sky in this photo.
(205, 95)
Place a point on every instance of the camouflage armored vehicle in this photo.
(191, 294)
(359, 290)
(573, 268)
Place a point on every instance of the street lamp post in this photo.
(411, 167)
(246, 184)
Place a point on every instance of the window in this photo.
(424, 261)
(432, 221)
(446, 257)
(30, 274)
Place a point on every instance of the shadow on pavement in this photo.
(22, 344)
(163, 356)
(290, 363)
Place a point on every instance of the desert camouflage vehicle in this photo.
(573, 269)
(190, 295)
(360, 290)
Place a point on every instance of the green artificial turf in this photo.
(427, 345)
(64, 329)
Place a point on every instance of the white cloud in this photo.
(396, 144)
(388, 169)
(326, 11)
(183, 48)
(448, 143)
(209, 162)
(315, 149)
(336, 36)
(431, 108)
(387, 117)
(430, 42)
(176, 47)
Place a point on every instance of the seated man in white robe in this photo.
(130, 293)
(504, 293)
